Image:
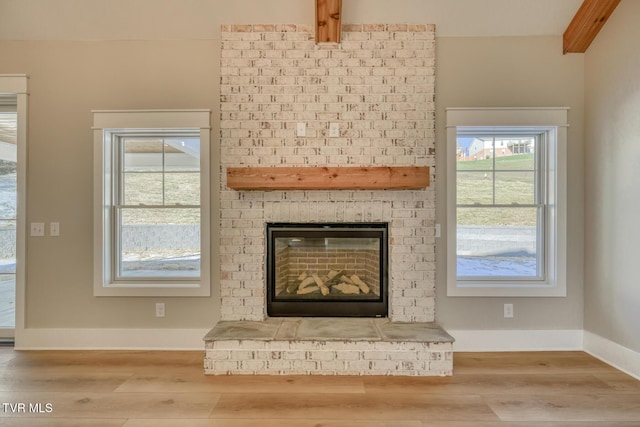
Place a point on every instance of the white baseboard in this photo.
(191, 339)
(614, 354)
(517, 340)
(110, 339)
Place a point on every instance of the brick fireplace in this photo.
(377, 86)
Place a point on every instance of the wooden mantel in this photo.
(328, 178)
(586, 24)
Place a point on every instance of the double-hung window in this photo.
(151, 203)
(506, 191)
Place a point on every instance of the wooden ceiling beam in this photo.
(586, 24)
(328, 21)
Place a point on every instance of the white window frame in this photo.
(17, 84)
(108, 123)
(552, 122)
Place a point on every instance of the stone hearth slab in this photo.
(338, 329)
(328, 346)
(245, 330)
(428, 332)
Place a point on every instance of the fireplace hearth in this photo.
(327, 269)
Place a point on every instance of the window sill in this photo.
(153, 290)
(506, 290)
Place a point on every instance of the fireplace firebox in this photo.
(327, 269)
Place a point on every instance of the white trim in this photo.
(151, 119)
(612, 353)
(192, 339)
(517, 340)
(112, 339)
(18, 84)
(553, 121)
(105, 122)
(13, 84)
(507, 116)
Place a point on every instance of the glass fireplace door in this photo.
(327, 269)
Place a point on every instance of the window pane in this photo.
(7, 301)
(515, 153)
(497, 242)
(7, 273)
(142, 188)
(474, 187)
(7, 246)
(182, 188)
(152, 171)
(515, 188)
(8, 212)
(475, 152)
(182, 154)
(143, 154)
(159, 243)
(469, 164)
(8, 187)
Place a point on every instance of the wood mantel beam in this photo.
(328, 21)
(586, 24)
(328, 178)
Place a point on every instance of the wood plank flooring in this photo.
(158, 389)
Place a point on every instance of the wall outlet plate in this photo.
(37, 229)
(54, 229)
(508, 311)
(301, 129)
(159, 309)
(334, 130)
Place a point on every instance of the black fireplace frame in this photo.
(343, 307)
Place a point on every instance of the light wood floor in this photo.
(158, 389)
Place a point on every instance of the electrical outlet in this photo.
(334, 130)
(508, 311)
(37, 229)
(54, 229)
(159, 309)
(301, 129)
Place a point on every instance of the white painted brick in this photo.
(305, 365)
(358, 365)
(374, 355)
(331, 365)
(348, 355)
(253, 365)
(321, 355)
(404, 103)
(294, 355)
(385, 365)
(225, 365)
(402, 355)
(217, 355)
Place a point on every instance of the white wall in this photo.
(612, 180)
(99, 54)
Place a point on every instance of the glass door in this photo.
(8, 215)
